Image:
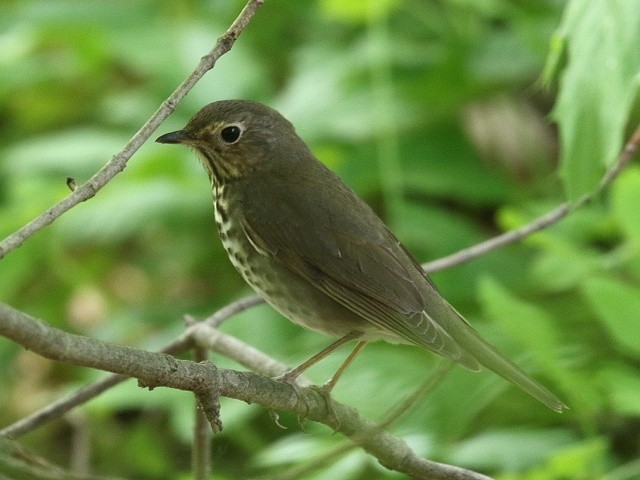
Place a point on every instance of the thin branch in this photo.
(151, 369)
(507, 238)
(202, 435)
(61, 406)
(217, 318)
(207, 381)
(241, 352)
(114, 166)
(17, 462)
(540, 223)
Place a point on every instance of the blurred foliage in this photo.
(433, 112)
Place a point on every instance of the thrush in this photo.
(318, 253)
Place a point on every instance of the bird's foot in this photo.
(325, 391)
(290, 378)
(276, 419)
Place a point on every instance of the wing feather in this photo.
(352, 257)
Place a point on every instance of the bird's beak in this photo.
(179, 136)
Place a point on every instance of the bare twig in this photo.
(215, 319)
(17, 462)
(61, 406)
(540, 223)
(243, 353)
(507, 238)
(156, 369)
(114, 166)
(201, 452)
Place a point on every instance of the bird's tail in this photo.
(491, 358)
(488, 356)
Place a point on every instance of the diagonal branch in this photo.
(65, 404)
(207, 381)
(151, 369)
(540, 223)
(114, 166)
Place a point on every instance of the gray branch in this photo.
(540, 223)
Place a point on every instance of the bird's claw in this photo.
(301, 397)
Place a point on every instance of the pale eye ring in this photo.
(231, 133)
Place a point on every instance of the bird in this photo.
(316, 252)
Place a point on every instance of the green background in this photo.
(435, 112)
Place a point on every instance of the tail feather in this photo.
(488, 356)
(492, 359)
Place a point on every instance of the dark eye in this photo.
(231, 134)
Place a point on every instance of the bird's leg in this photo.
(294, 373)
(325, 390)
(328, 387)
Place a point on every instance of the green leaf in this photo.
(564, 266)
(597, 88)
(525, 322)
(504, 450)
(586, 460)
(557, 50)
(622, 385)
(357, 11)
(618, 307)
(625, 201)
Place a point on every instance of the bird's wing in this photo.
(350, 255)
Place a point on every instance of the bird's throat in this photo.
(209, 164)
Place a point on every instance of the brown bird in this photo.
(316, 252)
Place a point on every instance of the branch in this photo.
(540, 223)
(202, 435)
(246, 355)
(208, 382)
(114, 166)
(16, 462)
(63, 405)
(151, 369)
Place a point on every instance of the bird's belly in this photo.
(286, 291)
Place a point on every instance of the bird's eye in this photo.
(231, 134)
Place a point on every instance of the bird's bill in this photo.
(179, 136)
